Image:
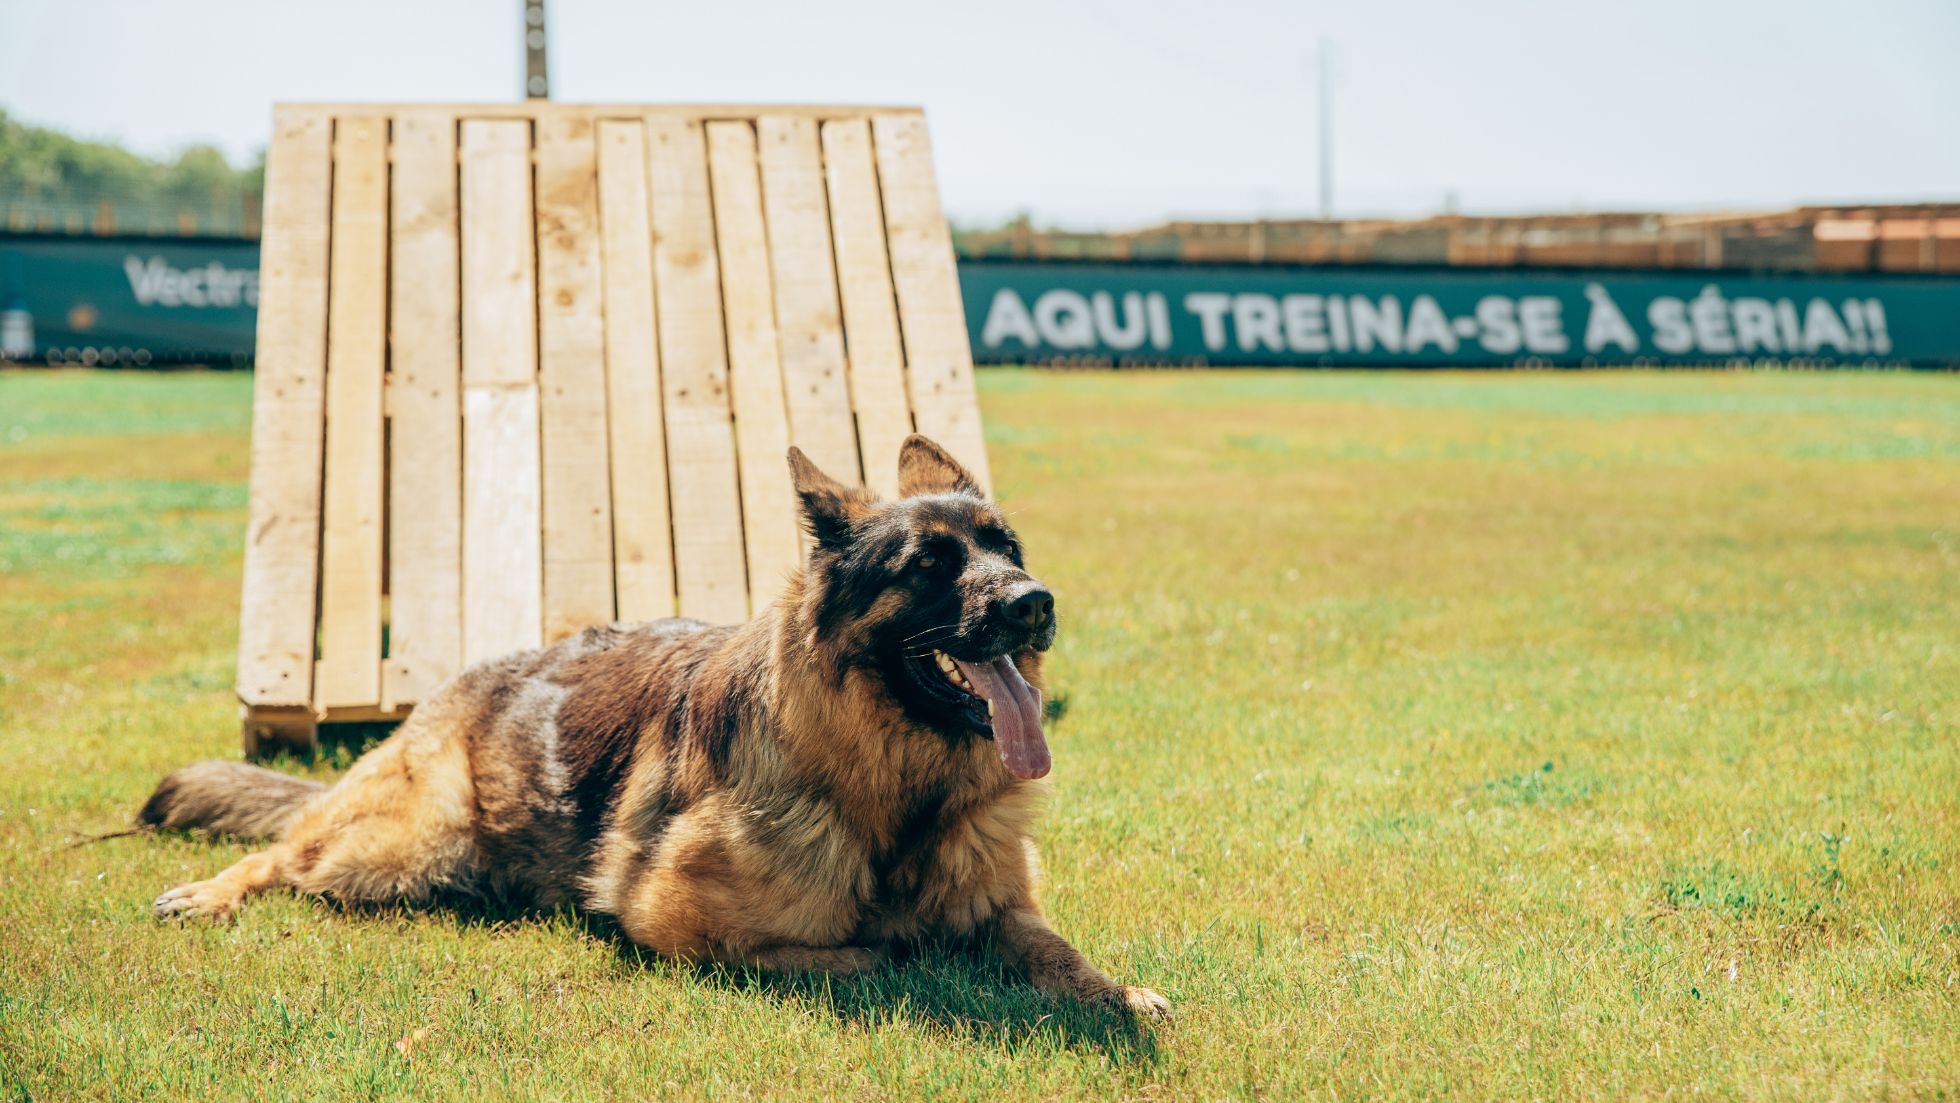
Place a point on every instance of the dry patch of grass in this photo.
(1580, 736)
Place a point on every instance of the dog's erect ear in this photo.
(829, 506)
(926, 468)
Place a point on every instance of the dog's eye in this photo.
(926, 562)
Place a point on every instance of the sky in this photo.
(1116, 113)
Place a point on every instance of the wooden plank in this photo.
(578, 569)
(755, 369)
(502, 583)
(276, 610)
(643, 536)
(425, 432)
(502, 557)
(350, 547)
(938, 357)
(815, 384)
(864, 288)
(708, 554)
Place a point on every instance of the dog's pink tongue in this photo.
(1017, 715)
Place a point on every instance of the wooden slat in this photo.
(350, 547)
(502, 612)
(425, 446)
(276, 613)
(578, 569)
(938, 357)
(812, 334)
(643, 548)
(713, 584)
(755, 368)
(864, 287)
(502, 564)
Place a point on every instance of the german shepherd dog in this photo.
(852, 771)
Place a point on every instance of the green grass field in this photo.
(1515, 735)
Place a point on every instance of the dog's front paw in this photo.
(198, 900)
(1137, 1002)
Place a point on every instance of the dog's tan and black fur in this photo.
(801, 792)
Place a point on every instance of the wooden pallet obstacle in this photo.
(529, 367)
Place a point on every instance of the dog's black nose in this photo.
(1031, 608)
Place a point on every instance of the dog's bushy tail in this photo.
(228, 798)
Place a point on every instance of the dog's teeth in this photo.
(945, 662)
(990, 708)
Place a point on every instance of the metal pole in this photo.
(537, 80)
(1326, 129)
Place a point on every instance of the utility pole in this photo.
(1326, 128)
(537, 80)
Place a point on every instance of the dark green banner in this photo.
(1148, 314)
(127, 300)
(143, 300)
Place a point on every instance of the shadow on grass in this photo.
(963, 992)
(960, 990)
